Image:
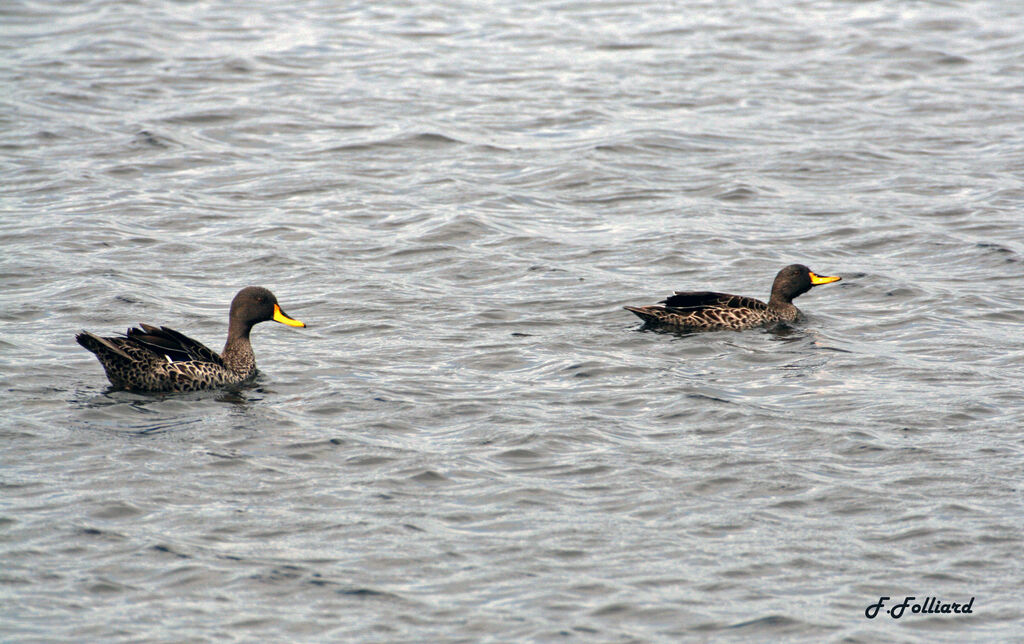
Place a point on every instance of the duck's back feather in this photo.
(159, 359)
(176, 346)
(708, 310)
(693, 300)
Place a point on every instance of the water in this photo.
(472, 441)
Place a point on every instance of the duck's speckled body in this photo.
(161, 359)
(708, 311)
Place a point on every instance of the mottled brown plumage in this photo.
(706, 310)
(161, 359)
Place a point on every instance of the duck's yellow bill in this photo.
(279, 316)
(821, 279)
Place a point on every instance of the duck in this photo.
(160, 359)
(709, 311)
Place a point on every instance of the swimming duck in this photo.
(705, 310)
(161, 359)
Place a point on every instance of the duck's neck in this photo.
(783, 308)
(778, 300)
(782, 304)
(237, 354)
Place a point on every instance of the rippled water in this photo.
(472, 441)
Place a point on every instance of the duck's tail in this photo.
(100, 346)
(651, 314)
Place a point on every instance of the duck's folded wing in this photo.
(177, 347)
(692, 300)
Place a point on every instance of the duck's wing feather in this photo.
(175, 346)
(152, 359)
(685, 301)
(705, 310)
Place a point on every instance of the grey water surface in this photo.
(472, 441)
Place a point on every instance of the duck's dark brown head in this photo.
(795, 280)
(255, 304)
